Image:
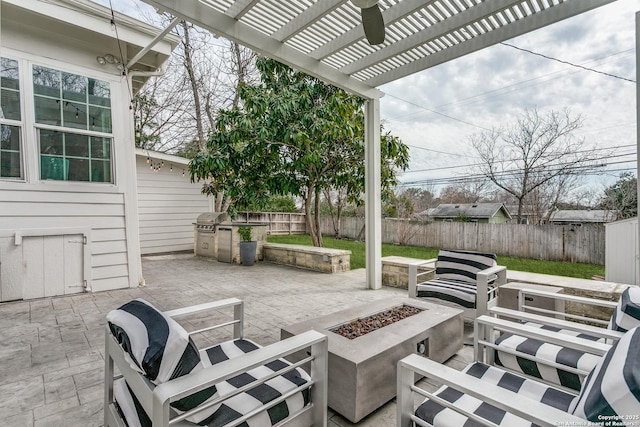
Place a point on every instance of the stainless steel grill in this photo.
(205, 228)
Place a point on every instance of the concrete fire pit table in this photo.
(362, 371)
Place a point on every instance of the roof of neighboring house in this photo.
(472, 210)
(583, 215)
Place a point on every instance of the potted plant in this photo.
(247, 246)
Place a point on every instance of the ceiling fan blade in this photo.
(373, 24)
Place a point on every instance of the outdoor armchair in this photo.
(464, 279)
(489, 395)
(163, 378)
(521, 353)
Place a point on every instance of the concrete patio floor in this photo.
(52, 349)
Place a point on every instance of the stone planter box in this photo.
(362, 371)
(325, 260)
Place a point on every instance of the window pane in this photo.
(10, 91)
(100, 148)
(71, 101)
(100, 119)
(74, 117)
(99, 93)
(74, 87)
(10, 157)
(100, 171)
(76, 145)
(51, 142)
(47, 110)
(53, 168)
(78, 169)
(9, 74)
(46, 81)
(74, 157)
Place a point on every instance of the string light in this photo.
(113, 24)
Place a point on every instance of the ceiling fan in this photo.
(372, 20)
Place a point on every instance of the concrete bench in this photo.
(395, 270)
(326, 260)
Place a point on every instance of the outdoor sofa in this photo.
(163, 378)
(464, 279)
(485, 394)
(560, 366)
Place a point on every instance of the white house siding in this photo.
(168, 205)
(98, 216)
(44, 224)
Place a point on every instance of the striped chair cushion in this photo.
(236, 406)
(462, 265)
(455, 291)
(627, 314)
(545, 351)
(439, 416)
(613, 387)
(154, 344)
(456, 277)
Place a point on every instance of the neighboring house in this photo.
(68, 196)
(494, 213)
(527, 217)
(168, 202)
(582, 216)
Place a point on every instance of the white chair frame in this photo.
(156, 400)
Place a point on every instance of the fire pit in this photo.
(358, 327)
(362, 368)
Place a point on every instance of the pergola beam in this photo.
(218, 23)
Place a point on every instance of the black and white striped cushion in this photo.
(456, 278)
(613, 387)
(627, 313)
(462, 265)
(545, 351)
(439, 416)
(455, 291)
(236, 406)
(154, 344)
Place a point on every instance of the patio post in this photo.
(373, 193)
(637, 144)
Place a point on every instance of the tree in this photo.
(291, 134)
(463, 192)
(622, 196)
(535, 150)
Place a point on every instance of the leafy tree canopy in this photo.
(293, 134)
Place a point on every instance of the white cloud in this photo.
(492, 87)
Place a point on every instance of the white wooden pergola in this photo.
(325, 38)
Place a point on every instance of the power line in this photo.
(567, 62)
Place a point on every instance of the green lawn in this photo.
(557, 268)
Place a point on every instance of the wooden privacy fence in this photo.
(277, 222)
(584, 244)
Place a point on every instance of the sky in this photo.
(436, 111)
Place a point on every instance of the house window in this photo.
(10, 120)
(75, 133)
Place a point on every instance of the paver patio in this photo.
(51, 349)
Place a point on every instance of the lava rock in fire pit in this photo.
(359, 327)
